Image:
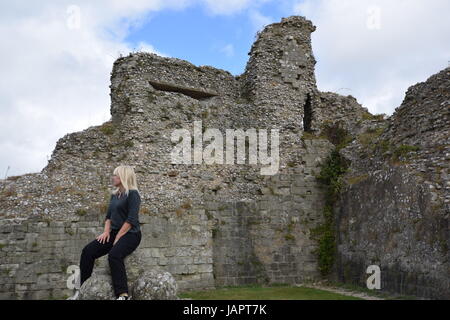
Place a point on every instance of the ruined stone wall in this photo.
(281, 64)
(279, 78)
(36, 252)
(268, 240)
(334, 109)
(395, 210)
(424, 116)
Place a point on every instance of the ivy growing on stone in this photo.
(332, 170)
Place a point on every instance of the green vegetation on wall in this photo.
(330, 177)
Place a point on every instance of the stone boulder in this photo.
(149, 285)
(155, 285)
(97, 287)
(135, 267)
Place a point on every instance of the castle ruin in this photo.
(216, 224)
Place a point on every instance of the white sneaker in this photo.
(124, 298)
(75, 296)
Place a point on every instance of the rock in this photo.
(155, 285)
(134, 266)
(97, 287)
(149, 285)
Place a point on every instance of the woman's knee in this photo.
(87, 251)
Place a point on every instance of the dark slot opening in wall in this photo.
(307, 114)
(191, 92)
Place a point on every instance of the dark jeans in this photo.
(116, 254)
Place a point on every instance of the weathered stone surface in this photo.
(395, 211)
(155, 285)
(97, 287)
(148, 285)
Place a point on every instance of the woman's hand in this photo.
(104, 237)
(116, 239)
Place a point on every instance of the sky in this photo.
(57, 56)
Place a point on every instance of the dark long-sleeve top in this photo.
(123, 208)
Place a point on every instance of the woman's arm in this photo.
(107, 225)
(134, 202)
(104, 237)
(125, 227)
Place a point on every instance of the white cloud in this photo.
(226, 6)
(259, 20)
(143, 46)
(56, 60)
(377, 56)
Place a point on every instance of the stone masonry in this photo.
(395, 210)
(220, 224)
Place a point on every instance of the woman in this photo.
(121, 235)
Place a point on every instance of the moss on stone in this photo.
(403, 151)
(367, 138)
(81, 212)
(357, 179)
(289, 236)
(336, 134)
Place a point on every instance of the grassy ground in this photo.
(253, 292)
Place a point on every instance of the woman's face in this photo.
(116, 180)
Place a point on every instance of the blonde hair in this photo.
(127, 177)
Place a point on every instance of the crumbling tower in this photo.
(280, 72)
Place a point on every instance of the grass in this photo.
(309, 136)
(81, 212)
(107, 128)
(403, 150)
(357, 179)
(367, 138)
(254, 292)
(376, 117)
(13, 178)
